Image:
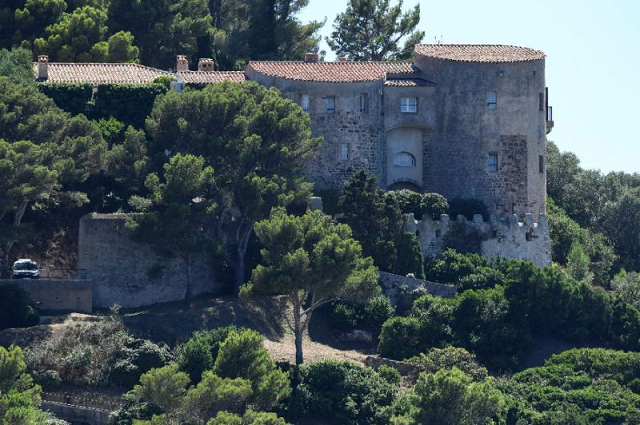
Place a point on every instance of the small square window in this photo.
(408, 104)
(492, 100)
(364, 103)
(331, 105)
(541, 163)
(493, 162)
(345, 152)
(304, 102)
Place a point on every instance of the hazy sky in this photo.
(592, 66)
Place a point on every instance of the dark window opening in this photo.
(541, 163)
(438, 233)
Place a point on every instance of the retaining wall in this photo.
(58, 295)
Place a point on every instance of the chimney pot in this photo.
(310, 57)
(342, 59)
(182, 64)
(205, 64)
(43, 67)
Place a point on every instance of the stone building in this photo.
(467, 121)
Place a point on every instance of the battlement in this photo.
(500, 236)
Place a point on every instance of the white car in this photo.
(26, 269)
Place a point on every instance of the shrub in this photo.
(341, 393)
(138, 357)
(389, 374)
(400, 338)
(344, 316)
(434, 205)
(17, 309)
(200, 352)
(481, 278)
(453, 266)
(377, 310)
(410, 259)
(448, 358)
(408, 201)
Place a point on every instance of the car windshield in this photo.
(25, 266)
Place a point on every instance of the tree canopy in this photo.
(373, 30)
(312, 261)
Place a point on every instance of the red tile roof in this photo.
(479, 52)
(210, 77)
(331, 72)
(102, 73)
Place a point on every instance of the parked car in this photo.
(26, 269)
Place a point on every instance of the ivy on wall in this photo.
(128, 103)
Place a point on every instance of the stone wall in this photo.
(76, 414)
(403, 290)
(57, 295)
(132, 274)
(499, 237)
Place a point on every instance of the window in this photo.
(408, 104)
(493, 162)
(345, 151)
(404, 159)
(541, 163)
(492, 100)
(304, 102)
(331, 105)
(541, 102)
(364, 103)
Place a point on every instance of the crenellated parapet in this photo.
(500, 236)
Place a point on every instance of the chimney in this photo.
(205, 64)
(43, 67)
(342, 59)
(310, 57)
(182, 64)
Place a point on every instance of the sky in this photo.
(592, 65)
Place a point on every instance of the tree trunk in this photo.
(298, 328)
(17, 219)
(244, 233)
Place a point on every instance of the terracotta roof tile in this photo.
(210, 77)
(102, 73)
(330, 72)
(479, 52)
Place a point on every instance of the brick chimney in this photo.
(310, 57)
(205, 64)
(342, 59)
(43, 67)
(182, 64)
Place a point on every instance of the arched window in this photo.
(404, 159)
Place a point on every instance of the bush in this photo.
(468, 208)
(447, 358)
(408, 201)
(410, 259)
(434, 205)
(400, 338)
(346, 315)
(390, 374)
(453, 266)
(17, 309)
(341, 393)
(138, 357)
(200, 352)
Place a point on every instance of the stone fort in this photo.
(465, 121)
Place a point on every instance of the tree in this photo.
(627, 287)
(258, 143)
(165, 387)
(450, 396)
(578, 264)
(371, 30)
(312, 261)
(179, 207)
(19, 397)
(43, 159)
(17, 65)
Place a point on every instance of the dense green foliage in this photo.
(381, 234)
(154, 32)
(19, 397)
(510, 302)
(604, 204)
(17, 309)
(372, 30)
(16, 65)
(341, 393)
(200, 352)
(370, 315)
(313, 261)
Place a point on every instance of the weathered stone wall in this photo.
(403, 290)
(76, 414)
(362, 131)
(500, 236)
(132, 274)
(57, 295)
